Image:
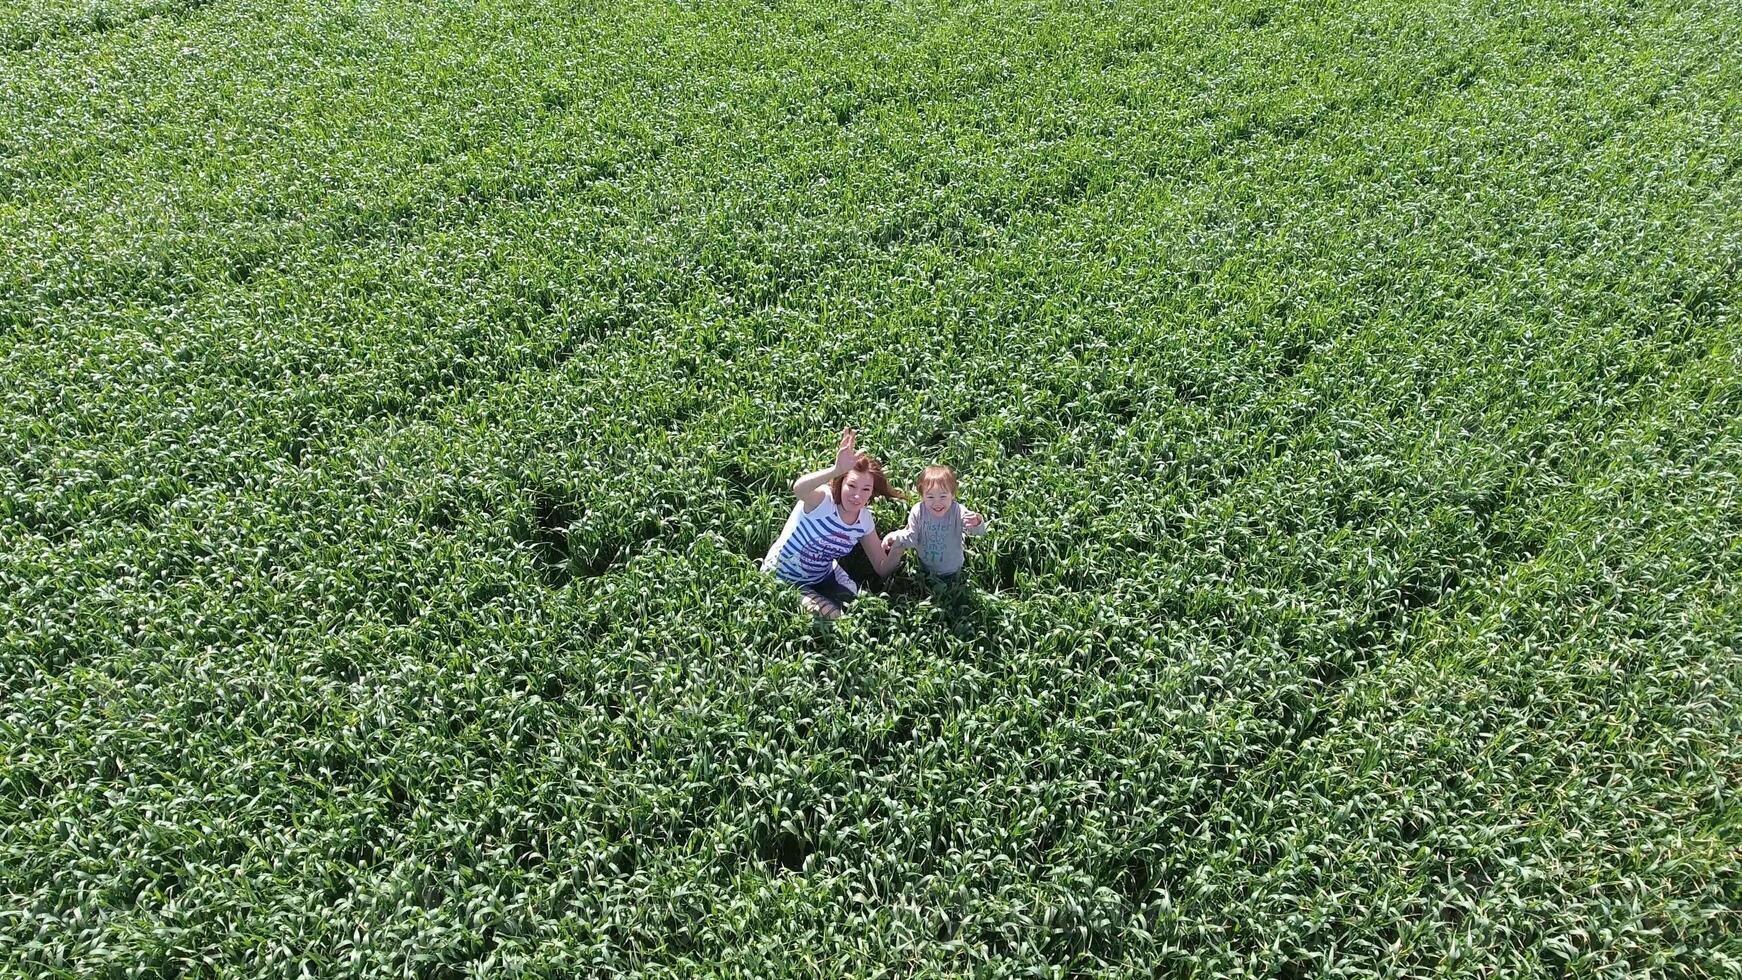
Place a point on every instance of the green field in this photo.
(396, 399)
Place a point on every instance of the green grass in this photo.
(395, 400)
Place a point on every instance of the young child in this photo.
(936, 524)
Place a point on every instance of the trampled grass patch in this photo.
(397, 401)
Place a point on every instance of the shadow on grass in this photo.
(964, 607)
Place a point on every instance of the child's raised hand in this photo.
(972, 520)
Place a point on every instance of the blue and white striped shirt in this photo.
(809, 544)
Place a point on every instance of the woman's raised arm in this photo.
(808, 487)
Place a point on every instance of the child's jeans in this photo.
(950, 581)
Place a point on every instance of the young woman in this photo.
(831, 517)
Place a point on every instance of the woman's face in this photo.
(856, 489)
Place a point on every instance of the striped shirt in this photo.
(809, 544)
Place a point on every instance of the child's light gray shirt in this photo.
(937, 538)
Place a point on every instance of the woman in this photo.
(831, 517)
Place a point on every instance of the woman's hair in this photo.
(935, 475)
(879, 486)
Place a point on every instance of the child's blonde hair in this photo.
(935, 475)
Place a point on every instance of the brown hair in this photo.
(935, 475)
(879, 483)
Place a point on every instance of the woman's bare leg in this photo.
(820, 606)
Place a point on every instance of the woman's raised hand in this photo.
(808, 487)
(847, 454)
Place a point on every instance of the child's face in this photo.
(938, 498)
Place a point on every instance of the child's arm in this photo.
(907, 538)
(810, 487)
(973, 524)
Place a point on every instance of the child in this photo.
(936, 524)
